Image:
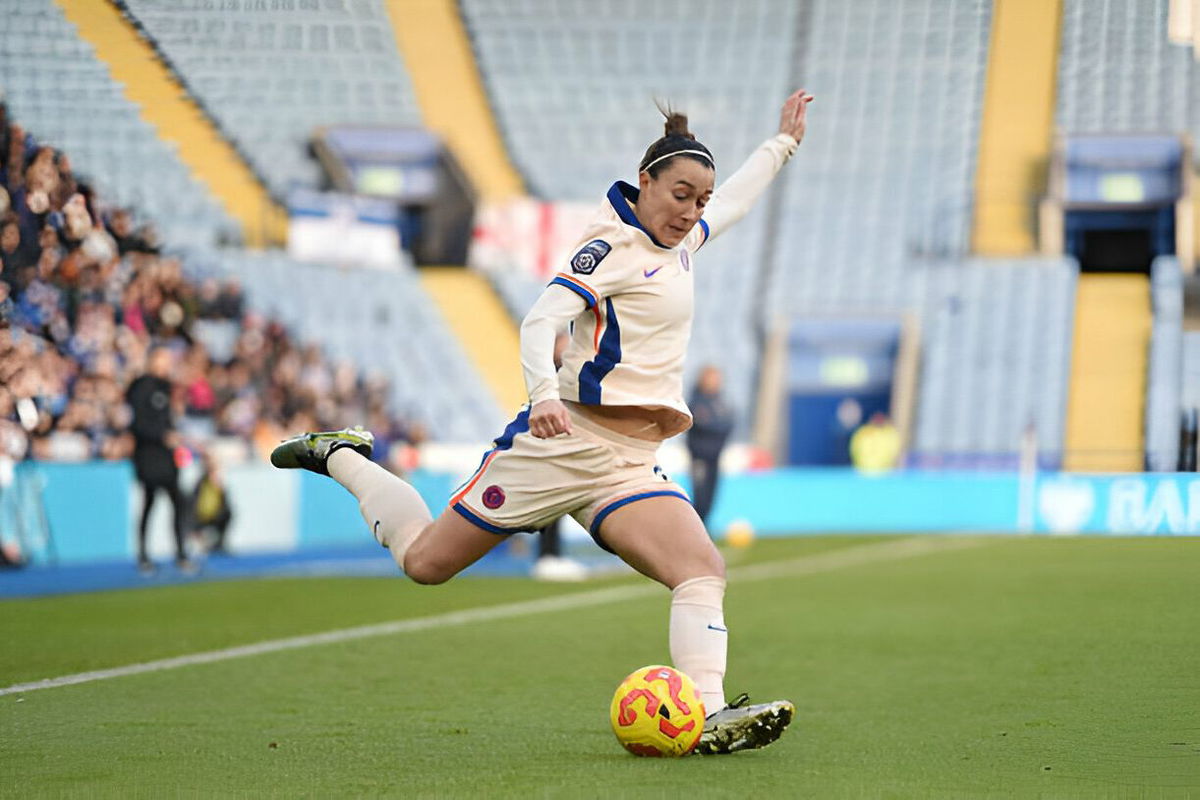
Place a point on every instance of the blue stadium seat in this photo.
(1117, 72)
(996, 345)
(271, 76)
(391, 328)
(1165, 380)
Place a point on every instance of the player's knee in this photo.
(428, 578)
(422, 569)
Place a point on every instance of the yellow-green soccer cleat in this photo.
(738, 726)
(310, 451)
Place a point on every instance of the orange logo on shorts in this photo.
(493, 497)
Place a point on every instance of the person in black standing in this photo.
(149, 396)
(712, 421)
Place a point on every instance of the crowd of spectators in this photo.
(85, 292)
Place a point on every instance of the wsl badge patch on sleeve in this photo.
(590, 256)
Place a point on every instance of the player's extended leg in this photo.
(427, 551)
(446, 547)
(681, 556)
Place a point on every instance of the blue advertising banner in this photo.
(83, 513)
(1131, 504)
(798, 500)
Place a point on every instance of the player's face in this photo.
(671, 204)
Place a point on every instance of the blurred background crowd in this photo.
(86, 292)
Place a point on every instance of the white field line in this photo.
(809, 565)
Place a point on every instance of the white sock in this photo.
(699, 639)
(392, 509)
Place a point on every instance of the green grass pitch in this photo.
(1019, 667)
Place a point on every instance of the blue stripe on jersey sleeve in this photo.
(518, 425)
(608, 355)
(587, 296)
(703, 227)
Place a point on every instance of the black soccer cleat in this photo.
(311, 451)
(739, 726)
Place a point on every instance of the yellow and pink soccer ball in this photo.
(657, 712)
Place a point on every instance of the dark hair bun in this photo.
(677, 125)
(677, 140)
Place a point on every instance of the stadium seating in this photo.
(54, 85)
(996, 346)
(574, 93)
(518, 291)
(1164, 391)
(386, 325)
(886, 170)
(1117, 72)
(270, 75)
(1191, 370)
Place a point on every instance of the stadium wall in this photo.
(92, 508)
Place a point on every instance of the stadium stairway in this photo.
(165, 105)
(1016, 131)
(484, 328)
(1108, 374)
(445, 77)
(433, 42)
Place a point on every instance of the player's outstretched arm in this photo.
(737, 194)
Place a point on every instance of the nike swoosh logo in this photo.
(649, 273)
(715, 628)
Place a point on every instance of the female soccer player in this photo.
(586, 443)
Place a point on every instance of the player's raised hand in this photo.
(792, 117)
(548, 419)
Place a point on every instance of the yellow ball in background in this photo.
(739, 533)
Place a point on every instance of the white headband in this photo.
(700, 153)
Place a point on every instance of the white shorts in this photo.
(525, 483)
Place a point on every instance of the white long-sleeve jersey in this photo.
(630, 301)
